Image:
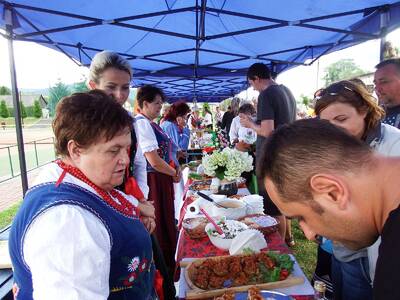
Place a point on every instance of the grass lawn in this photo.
(27, 121)
(6, 216)
(304, 251)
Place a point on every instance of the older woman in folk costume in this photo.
(75, 235)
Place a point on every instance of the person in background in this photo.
(240, 136)
(164, 111)
(349, 105)
(276, 106)
(74, 235)
(207, 118)
(162, 172)
(339, 188)
(232, 112)
(195, 120)
(175, 126)
(112, 74)
(387, 88)
(218, 117)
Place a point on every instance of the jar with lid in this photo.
(319, 290)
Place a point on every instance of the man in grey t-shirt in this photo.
(276, 106)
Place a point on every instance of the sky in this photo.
(39, 67)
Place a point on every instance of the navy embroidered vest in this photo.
(164, 143)
(132, 267)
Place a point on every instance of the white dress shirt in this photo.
(147, 142)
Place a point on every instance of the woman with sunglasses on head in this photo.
(349, 105)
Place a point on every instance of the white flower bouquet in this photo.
(227, 164)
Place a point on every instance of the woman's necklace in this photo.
(124, 206)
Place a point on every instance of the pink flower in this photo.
(133, 265)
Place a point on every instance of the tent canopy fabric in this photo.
(197, 48)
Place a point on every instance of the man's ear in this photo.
(74, 151)
(92, 85)
(331, 188)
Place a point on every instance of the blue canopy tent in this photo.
(195, 49)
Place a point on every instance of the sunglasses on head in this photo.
(334, 90)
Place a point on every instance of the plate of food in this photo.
(192, 165)
(195, 227)
(200, 185)
(211, 277)
(264, 223)
(230, 230)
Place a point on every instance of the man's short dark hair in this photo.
(392, 61)
(296, 152)
(87, 118)
(260, 70)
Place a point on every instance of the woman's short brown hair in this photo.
(87, 118)
(354, 94)
(148, 93)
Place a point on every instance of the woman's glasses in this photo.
(334, 90)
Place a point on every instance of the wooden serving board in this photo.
(196, 293)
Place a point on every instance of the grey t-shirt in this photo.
(275, 103)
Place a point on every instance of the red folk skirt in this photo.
(161, 191)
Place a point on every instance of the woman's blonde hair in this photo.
(354, 93)
(107, 59)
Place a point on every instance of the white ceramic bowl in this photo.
(218, 240)
(232, 209)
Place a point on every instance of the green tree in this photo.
(23, 110)
(56, 92)
(80, 87)
(37, 110)
(5, 90)
(4, 113)
(341, 70)
(305, 100)
(205, 106)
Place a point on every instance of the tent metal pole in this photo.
(384, 21)
(17, 111)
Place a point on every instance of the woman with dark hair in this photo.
(349, 105)
(162, 171)
(175, 126)
(75, 236)
(240, 136)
